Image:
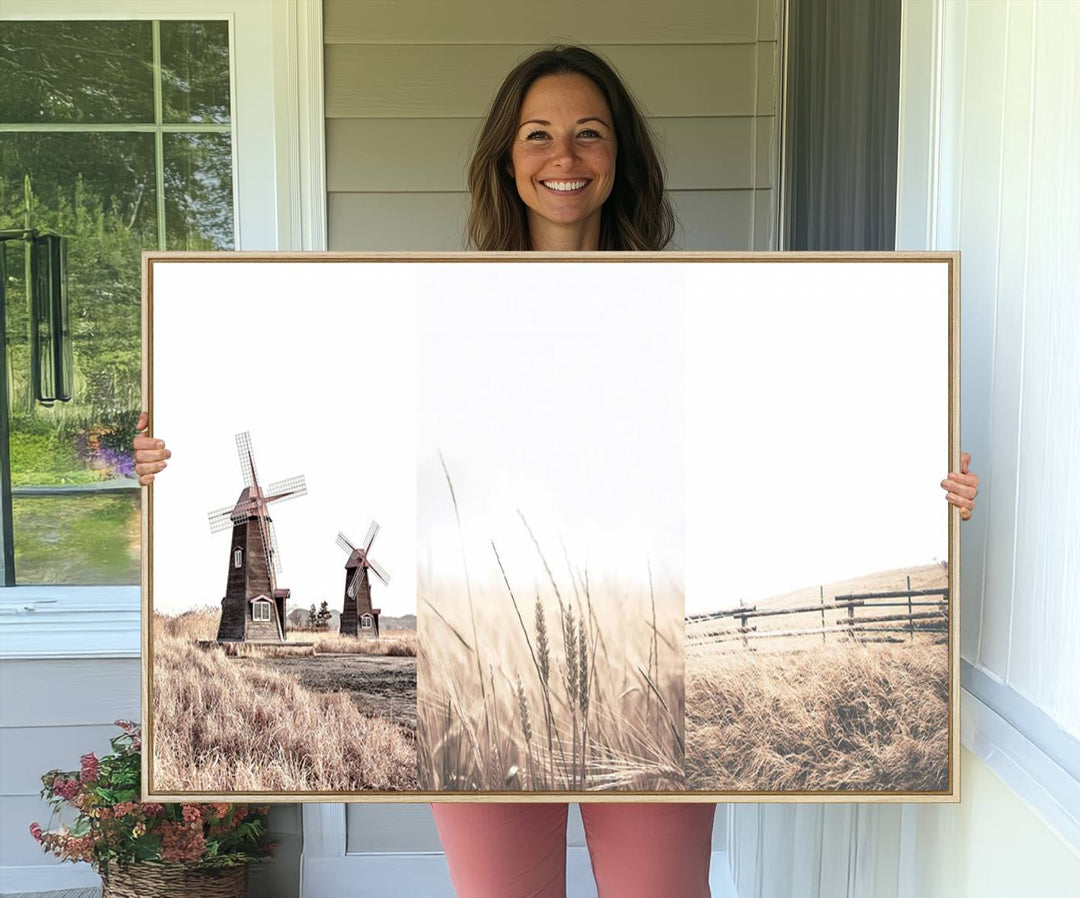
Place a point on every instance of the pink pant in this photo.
(641, 850)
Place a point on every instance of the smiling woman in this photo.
(565, 161)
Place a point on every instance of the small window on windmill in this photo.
(238, 557)
(261, 611)
(366, 622)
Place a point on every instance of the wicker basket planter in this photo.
(171, 880)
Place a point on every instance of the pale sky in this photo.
(317, 362)
(819, 430)
(746, 428)
(556, 389)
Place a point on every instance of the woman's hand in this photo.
(961, 489)
(150, 453)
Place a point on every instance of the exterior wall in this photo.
(990, 845)
(407, 85)
(989, 137)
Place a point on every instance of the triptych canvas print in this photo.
(660, 526)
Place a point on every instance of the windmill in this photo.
(253, 609)
(357, 613)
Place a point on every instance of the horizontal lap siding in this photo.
(530, 23)
(408, 84)
(460, 80)
(52, 713)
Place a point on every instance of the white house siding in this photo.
(408, 83)
(52, 712)
(989, 142)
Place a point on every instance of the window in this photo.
(117, 135)
(260, 611)
(238, 557)
(366, 622)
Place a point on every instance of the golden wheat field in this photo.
(820, 711)
(569, 686)
(232, 724)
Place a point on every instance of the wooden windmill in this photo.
(253, 609)
(357, 615)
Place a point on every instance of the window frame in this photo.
(279, 203)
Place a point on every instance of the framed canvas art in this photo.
(540, 527)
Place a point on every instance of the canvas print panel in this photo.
(550, 449)
(283, 636)
(817, 643)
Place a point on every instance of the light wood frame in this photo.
(952, 260)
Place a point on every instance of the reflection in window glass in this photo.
(98, 190)
(198, 192)
(84, 539)
(64, 72)
(97, 183)
(195, 71)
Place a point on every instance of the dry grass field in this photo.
(818, 713)
(574, 685)
(237, 724)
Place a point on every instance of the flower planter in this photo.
(172, 880)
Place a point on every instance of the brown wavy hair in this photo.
(636, 216)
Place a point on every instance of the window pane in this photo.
(77, 539)
(98, 191)
(198, 192)
(195, 71)
(76, 72)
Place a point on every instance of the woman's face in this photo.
(563, 154)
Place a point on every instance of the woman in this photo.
(565, 163)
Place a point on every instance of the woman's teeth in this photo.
(564, 186)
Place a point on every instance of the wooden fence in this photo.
(875, 627)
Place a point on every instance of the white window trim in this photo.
(277, 94)
(263, 608)
(280, 196)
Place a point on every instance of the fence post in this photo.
(821, 592)
(851, 620)
(911, 623)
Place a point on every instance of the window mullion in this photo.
(159, 137)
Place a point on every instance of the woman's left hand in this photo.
(962, 488)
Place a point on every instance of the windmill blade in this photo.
(343, 541)
(354, 582)
(379, 570)
(373, 531)
(275, 555)
(224, 518)
(290, 488)
(247, 459)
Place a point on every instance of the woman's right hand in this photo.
(150, 453)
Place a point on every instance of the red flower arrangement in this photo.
(114, 827)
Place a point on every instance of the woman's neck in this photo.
(548, 236)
